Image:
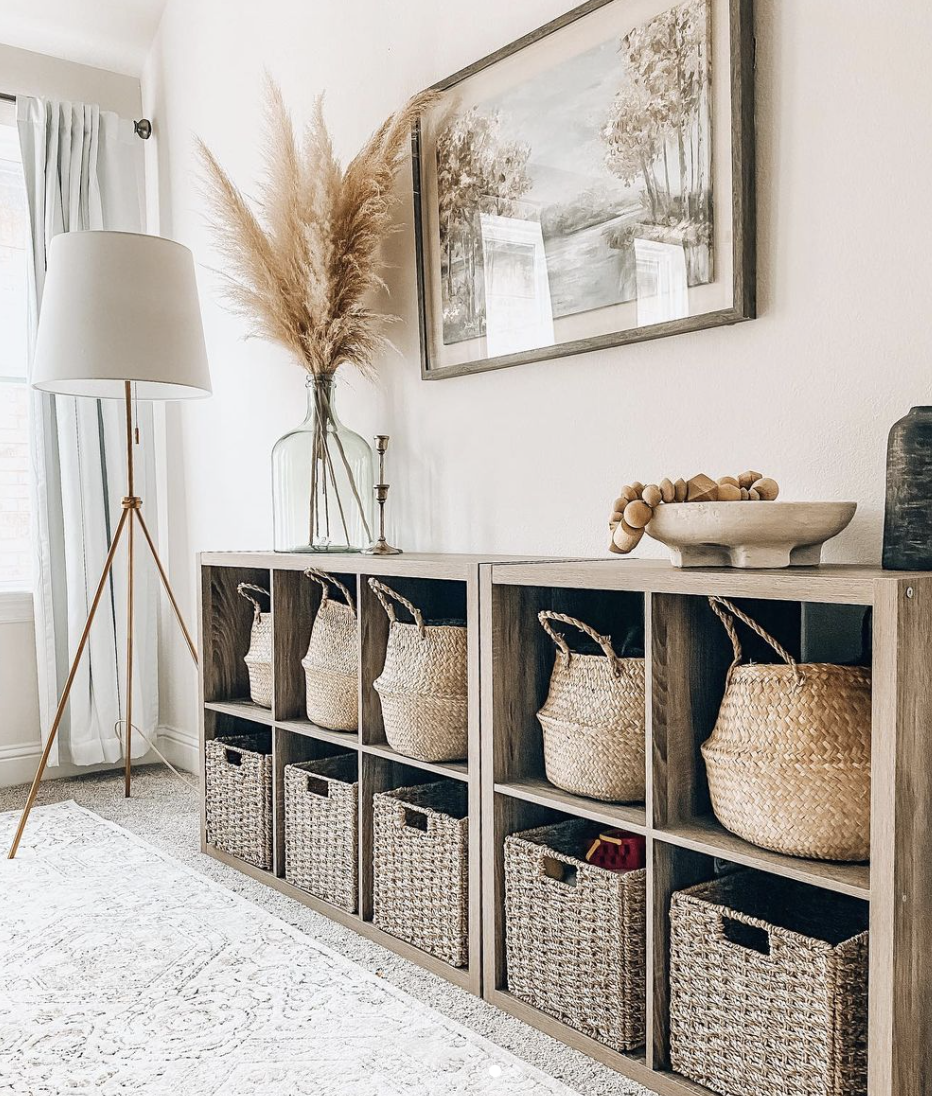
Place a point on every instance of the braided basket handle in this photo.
(244, 588)
(325, 581)
(560, 640)
(727, 612)
(386, 595)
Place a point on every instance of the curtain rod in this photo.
(142, 128)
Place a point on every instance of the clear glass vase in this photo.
(322, 481)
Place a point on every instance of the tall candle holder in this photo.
(381, 547)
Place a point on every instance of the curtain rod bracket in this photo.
(143, 128)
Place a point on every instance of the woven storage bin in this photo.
(321, 828)
(768, 988)
(789, 759)
(331, 665)
(593, 718)
(258, 658)
(238, 775)
(575, 934)
(422, 686)
(420, 868)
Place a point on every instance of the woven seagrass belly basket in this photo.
(789, 759)
(422, 687)
(593, 718)
(258, 658)
(331, 665)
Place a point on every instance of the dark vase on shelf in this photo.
(907, 528)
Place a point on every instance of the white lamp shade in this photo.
(117, 307)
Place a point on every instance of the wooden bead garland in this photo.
(635, 505)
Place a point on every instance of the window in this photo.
(15, 542)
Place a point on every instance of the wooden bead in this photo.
(767, 489)
(624, 539)
(729, 492)
(652, 495)
(680, 490)
(667, 490)
(628, 494)
(637, 487)
(744, 494)
(638, 514)
(729, 480)
(753, 495)
(616, 517)
(701, 489)
(621, 502)
(747, 479)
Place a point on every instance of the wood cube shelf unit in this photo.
(687, 657)
(442, 587)
(816, 613)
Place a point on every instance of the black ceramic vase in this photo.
(907, 527)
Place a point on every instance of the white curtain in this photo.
(83, 169)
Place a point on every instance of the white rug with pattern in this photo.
(122, 971)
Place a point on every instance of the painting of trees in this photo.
(657, 133)
(478, 171)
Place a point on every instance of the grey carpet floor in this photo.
(165, 813)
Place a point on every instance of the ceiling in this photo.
(108, 34)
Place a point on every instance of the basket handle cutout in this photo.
(325, 581)
(749, 937)
(564, 648)
(233, 757)
(316, 785)
(727, 612)
(386, 595)
(559, 871)
(415, 820)
(246, 590)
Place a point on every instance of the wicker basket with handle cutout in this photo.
(593, 720)
(789, 759)
(331, 665)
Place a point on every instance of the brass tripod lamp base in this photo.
(131, 515)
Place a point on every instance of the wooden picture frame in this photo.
(713, 291)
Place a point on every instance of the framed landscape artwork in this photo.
(589, 185)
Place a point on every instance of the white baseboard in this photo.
(180, 747)
(18, 763)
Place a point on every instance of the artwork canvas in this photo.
(575, 197)
(611, 146)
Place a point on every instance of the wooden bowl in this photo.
(748, 534)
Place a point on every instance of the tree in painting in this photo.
(478, 171)
(656, 132)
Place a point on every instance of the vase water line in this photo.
(321, 480)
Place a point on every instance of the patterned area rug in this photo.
(122, 971)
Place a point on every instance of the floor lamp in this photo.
(119, 320)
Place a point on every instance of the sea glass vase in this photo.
(322, 480)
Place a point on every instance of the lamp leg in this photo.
(66, 692)
(167, 585)
(128, 733)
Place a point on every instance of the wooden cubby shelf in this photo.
(819, 614)
(443, 587)
(822, 614)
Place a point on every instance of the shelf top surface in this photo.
(831, 582)
(415, 564)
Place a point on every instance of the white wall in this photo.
(23, 72)
(529, 459)
(26, 73)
